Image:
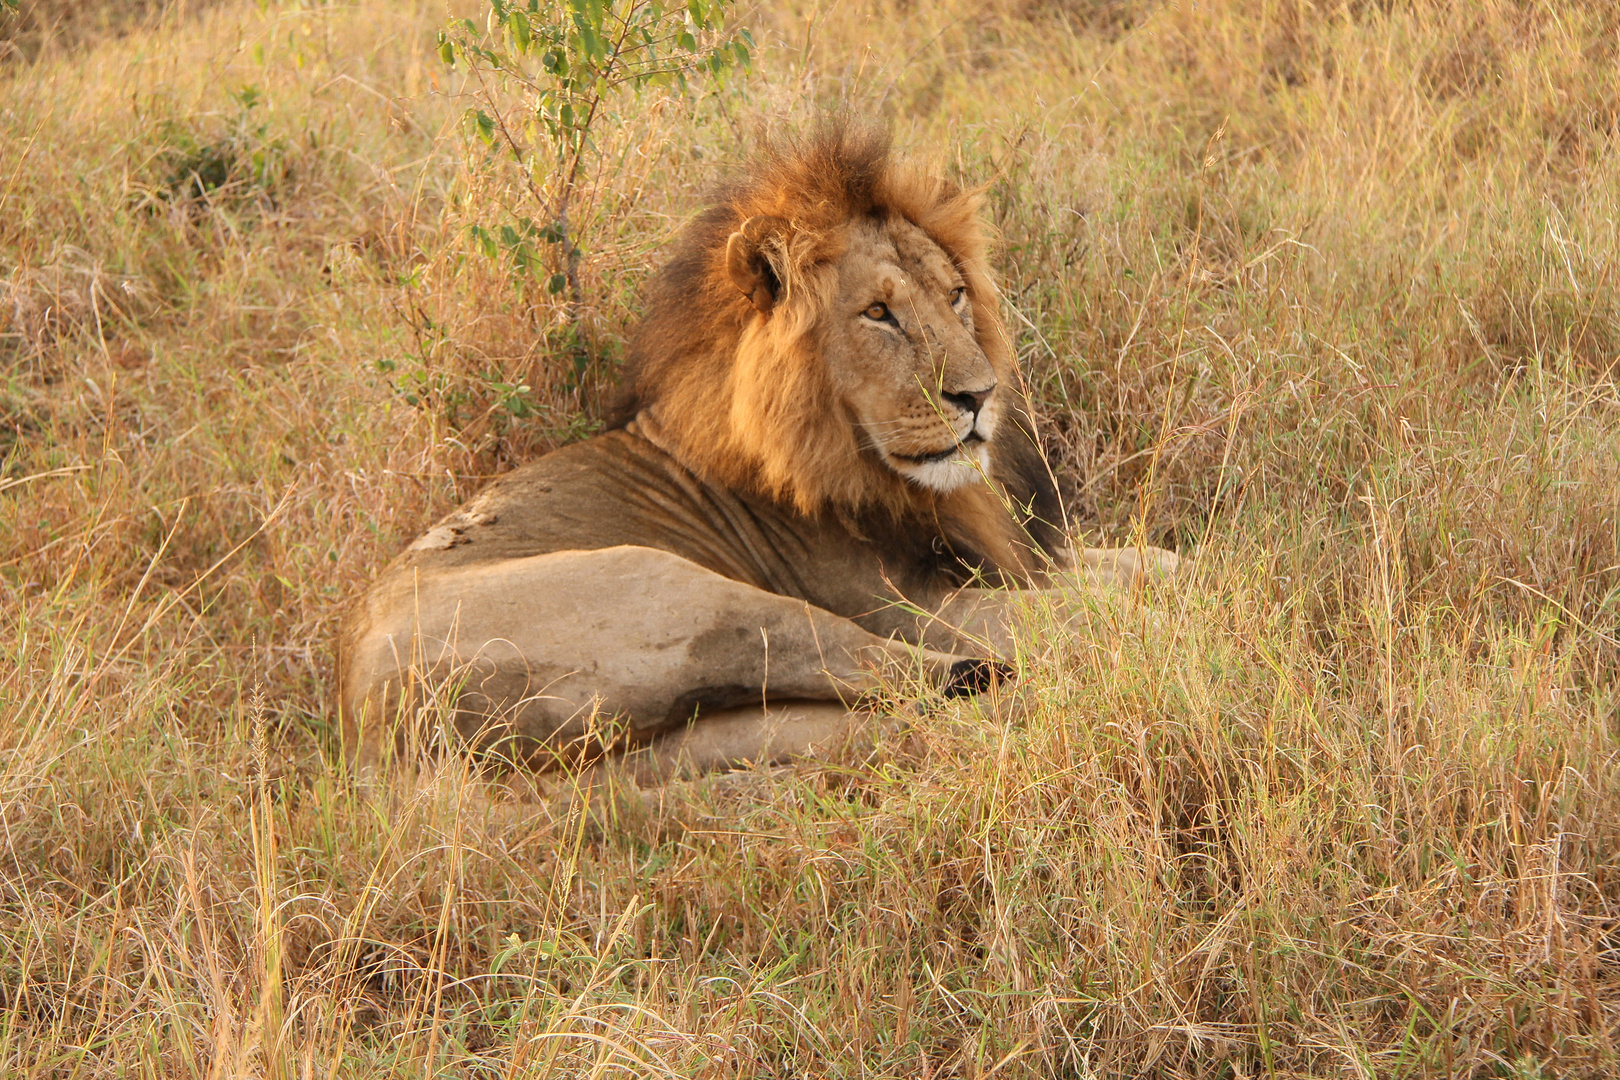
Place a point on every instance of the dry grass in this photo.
(1325, 292)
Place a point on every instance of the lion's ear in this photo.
(749, 261)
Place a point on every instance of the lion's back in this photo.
(620, 488)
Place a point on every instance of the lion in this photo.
(819, 475)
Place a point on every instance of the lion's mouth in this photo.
(973, 438)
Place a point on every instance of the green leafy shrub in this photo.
(548, 77)
(550, 88)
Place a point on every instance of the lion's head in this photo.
(828, 334)
(902, 359)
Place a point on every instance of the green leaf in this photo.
(486, 242)
(590, 42)
(518, 24)
(447, 51)
(511, 946)
(557, 284)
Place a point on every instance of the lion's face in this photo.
(899, 346)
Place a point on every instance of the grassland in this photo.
(1321, 293)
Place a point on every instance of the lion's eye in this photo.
(957, 294)
(877, 312)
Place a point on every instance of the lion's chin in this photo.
(946, 472)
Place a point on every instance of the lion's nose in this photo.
(969, 400)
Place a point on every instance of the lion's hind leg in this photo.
(542, 648)
(763, 734)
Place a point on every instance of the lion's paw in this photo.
(975, 676)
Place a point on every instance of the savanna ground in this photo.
(1323, 292)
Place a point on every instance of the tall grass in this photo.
(1321, 294)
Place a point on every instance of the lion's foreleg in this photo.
(986, 621)
(1126, 567)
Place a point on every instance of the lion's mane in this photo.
(744, 398)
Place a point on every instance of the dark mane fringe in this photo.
(741, 398)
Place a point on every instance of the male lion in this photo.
(818, 451)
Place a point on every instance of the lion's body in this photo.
(819, 450)
(622, 488)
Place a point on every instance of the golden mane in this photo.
(739, 390)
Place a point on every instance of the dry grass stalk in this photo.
(1325, 292)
